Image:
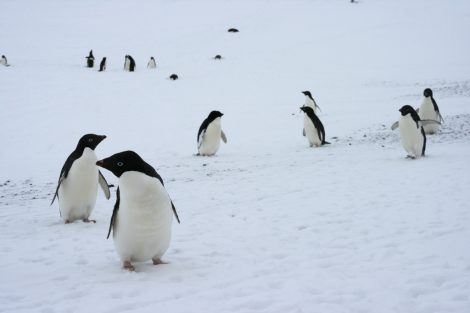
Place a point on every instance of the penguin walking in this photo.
(143, 212)
(209, 134)
(4, 61)
(430, 111)
(413, 137)
(103, 65)
(309, 102)
(313, 128)
(78, 181)
(90, 62)
(151, 63)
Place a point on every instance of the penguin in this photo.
(78, 181)
(126, 63)
(430, 111)
(103, 65)
(152, 63)
(173, 77)
(209, 134)
(413, 137)
(4, 61)
(131, 64)
(233, 30)
(218, 57)
(143, 212)
(309, 102)
(90, 62)
(313, 128)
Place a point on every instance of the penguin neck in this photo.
(309, 102)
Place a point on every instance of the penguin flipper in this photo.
(104, 185)
(394, 125)
(115, 210)
(56, 194)
(174, 212)
(428, 122)
(222, 135)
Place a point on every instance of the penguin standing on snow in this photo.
(143, 213)
(129, 64)
(313, 128)
(78, 181)
(90, 62)
(210, 133)
(152, 63)
(412, 133)
(3, 61)
(430, 111)
(103, 65)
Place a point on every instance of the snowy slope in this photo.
(268, 224)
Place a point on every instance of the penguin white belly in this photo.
(411, 136)
(211, 142)
(426, 112)
(3, 62)
(127, 65)
(143, 227)
(151, 64)
(311, 132)
(310, 103)
(77, 193)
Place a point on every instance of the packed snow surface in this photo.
(268, 224)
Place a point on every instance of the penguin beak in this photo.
(101, 163)
(102, 138)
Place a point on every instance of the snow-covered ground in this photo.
(268, 224)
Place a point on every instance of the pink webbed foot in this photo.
(86, 220)
(128, 266)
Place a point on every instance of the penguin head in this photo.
(122, 162)
(307, 110)
(427, 92)
(90, 141)
(151, 58)
(214, 114)
(307, 94)
(407, 109)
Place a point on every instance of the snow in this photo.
(268, 224)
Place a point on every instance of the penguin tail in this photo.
(326, 143)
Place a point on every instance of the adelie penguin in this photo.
(129, 64)
(209, 134)
(90, 62)
(218, 57)
(78, 181)
(313, 128)
(143, 213)
(412, 133)
(309, 102)
(430, 111)
(152, 63)
(103, 65)
(4, 61)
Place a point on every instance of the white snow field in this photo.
(268, 224)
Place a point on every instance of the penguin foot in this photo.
(67, 222)
(158, 261)
(410, 157)
(86, 220)
(128, 266)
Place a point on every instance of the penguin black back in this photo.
(103, 65)
(90, 59)
(316, 122)
(173, 77)
(233, 30)
(210, 118)
(131, 64)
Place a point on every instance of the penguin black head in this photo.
(90, 141)
(307, 109)
(427, 92)
(307, 93)
(218, 57)
(233, 30)
(408, 109)
(122, 162)
(151, 58)
(173, 77)
(215, 114)
(4, 57)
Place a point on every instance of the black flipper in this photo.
(424, 141)
(115, 210)
(174, 212)
(64, 172)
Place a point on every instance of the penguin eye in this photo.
(120, 164)
(90, 139)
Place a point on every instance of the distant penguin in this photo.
(90, 62)
(143, 213)
(313, 128)
(4, 61)
(218, 57)
(233, 30)
(131, 64)
(126, 63)
(430, 111)
(152, 63)
(173, 77)
(209, 134)
(103, 65)
(78, 181)
(412, 133)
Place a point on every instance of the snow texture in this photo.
(268, 224)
